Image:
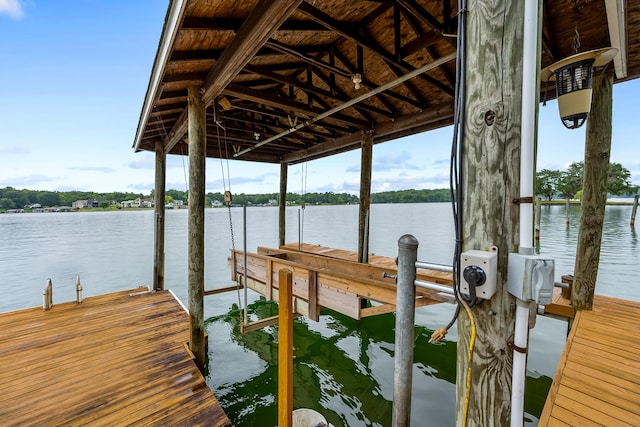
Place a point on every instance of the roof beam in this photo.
(442, 113)
(261, 23)
(172, 23)
(285, 104)
(340, 28)
(233, 24)
(324, 115)
(617, 20)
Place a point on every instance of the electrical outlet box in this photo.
(531, 277)
(481, 267)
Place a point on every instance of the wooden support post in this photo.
(282, 211)
(313, 295)
(365, 197)
(567, 208)
(269, 280)
(537, 219)
(285, 349)
(159, 196)
(197, 150)
(634, 210)
(490, 181)
(594, 191)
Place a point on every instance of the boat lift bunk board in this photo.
(329, 278)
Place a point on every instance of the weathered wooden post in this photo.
(197, 150)
(285, 348)
(282, 211)
(490, 182)
(594, 191)
(567, 207)
(159, 196)
(634, 210)
(365, 197)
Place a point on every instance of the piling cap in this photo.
(408, 241)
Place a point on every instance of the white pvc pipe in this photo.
(528, 122)
(519, 362)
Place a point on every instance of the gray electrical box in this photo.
(531, 277)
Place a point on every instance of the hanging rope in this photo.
(227, 196)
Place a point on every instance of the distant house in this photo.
(64, 209)
(216, 204)
(93, 203)
(79, 204)
(178, 202)
(33, 206)
(147, 203)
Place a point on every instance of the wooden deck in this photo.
(116, 359)
(598, 378)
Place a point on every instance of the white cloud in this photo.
(13, 8)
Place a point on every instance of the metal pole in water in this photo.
(635, 209)
(244, 260)
(405, 316)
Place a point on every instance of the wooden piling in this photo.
(285, 348)
(567, 207)
(159, 196)
(594, 191)
(490, 181)
(365, 197)
(197, 150)
(282, 210)
(634, 210)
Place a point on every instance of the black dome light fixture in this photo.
(573, 83)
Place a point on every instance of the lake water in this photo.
(343, 368)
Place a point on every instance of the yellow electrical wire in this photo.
(472, 342)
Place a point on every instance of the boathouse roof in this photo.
(266, 67)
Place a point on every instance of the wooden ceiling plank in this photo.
(548, 41)
(263, 20)
(283, 103)
(306, 58)
(234, 24)
(340, 28)
(261, 23)
(372, 85)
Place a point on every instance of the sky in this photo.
(73, 76)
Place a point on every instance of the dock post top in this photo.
(408, 241)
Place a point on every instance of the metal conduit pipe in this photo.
(434, 287)
(436, 267)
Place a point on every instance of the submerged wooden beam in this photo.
(594, 194)
(197, 150)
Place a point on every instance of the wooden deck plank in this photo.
(598, 377)
(116, 359)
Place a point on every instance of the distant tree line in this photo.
(412, 196)
(11, 198)
(568, 184)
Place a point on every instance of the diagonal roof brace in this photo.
(353, 101)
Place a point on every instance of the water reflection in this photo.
(343, 368)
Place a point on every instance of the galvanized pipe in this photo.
(434, 286)
(435, 267)
(405, 320)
